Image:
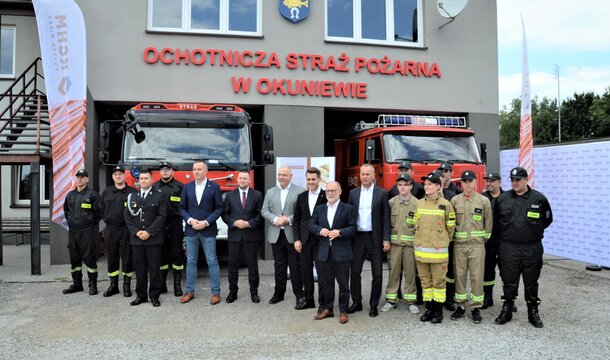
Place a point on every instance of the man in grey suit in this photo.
(278, 210)
(372, 237)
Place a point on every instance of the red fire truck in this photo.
(182, 132)
(425, 141)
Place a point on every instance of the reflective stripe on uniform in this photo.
(391, 296)
(432, 253)
(477, 298)
(113, 274)
(475, 233)
(174, 198)
(411, 221)
(450, 280)
(460, 297)
(93, 271)
(77, 269)
(432, 212)
(440, 295)
(164, 267)
(428, 294)
(489, 283)
(128, 274)
(409, 297)
(178, 267)
(402, 238)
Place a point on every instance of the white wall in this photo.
(575, 179)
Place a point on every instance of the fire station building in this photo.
(308, 68)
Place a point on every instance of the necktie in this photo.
(243, 199)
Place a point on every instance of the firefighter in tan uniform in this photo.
(401, 255)
(473, 226)
(434, 227)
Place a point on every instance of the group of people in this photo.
(434, 235)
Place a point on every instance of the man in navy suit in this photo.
(372, 238)
(335, 224)
(242, 214)
(305, 242)
(200, 206)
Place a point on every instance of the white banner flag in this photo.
(61, 30)
(526, 133)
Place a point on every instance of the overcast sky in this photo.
(572, 34)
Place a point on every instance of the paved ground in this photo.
(37, 321)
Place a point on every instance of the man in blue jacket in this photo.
(200, 206)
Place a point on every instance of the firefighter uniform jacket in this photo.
(172, 190)
(82, 209)
(522, 218)
(146, 214)
(402, 220)
(434, 228)
(114, 202)
(474, 220)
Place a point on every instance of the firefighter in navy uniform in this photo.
(494, 190)
(116, 235)
(173, 252)
(82, 208)
(520, 217)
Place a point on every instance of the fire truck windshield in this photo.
(180, 145)
(429, 148)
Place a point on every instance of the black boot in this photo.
(427, 316)
(92, 283)
(506, 314)
(77, 283)
(437, 318)
(533, 316)
(488, 301)
(126, 286)
(178, 283)
(114, 286)
(450, 295)
(163, 281)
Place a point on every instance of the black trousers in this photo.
(284, 256)
(363, 245)
(250, 252)
(491, 260)
(450, 277)
(173, 252)
(521, 259)
(118, 249)
(309, 257)
(82, 247)
(330, 270)
(146, 260)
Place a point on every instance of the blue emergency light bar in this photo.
(400, 120)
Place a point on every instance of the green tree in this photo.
(509, 125)
(576, 123)
(599, 113)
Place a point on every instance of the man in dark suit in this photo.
(278, 210)
(200, 207)
(305, 242)
(372, 237)
(145, 216)
(242, 214)
(335, 224)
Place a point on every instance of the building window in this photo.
(230, 17)
(382, 22)
(7, 52)
(21, 185)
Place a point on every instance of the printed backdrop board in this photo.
(575, 179)
(299, 167)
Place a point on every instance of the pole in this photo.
(35, 217)
(558, 101)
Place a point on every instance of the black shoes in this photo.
(127, 286)
(458, 313)
(92, 283)
(450, 304)
(155, 302)
(437, 316)
(255, 299)
(427, 316)
(276, 299)
(533, 317)
(113, 289)
(476, 316)
(373, 312)
(178, 283)
(302, 304)
(506, 314)
(77, 283)
(232, 297)
(138, 301)
(357, 306)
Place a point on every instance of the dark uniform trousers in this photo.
(173, 252)
(249, 250)
(286, 256)
(118, 248)
(330, 270)
(147, 259)
(82, 246)
(491, 260)
(309, 256)
(518, 259)
(362, 245)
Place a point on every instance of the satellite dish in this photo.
(450, 9)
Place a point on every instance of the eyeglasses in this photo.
(331, 190)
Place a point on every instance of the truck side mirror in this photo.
(267, 138)
(104, 142)
(484, 152)
(369, 152)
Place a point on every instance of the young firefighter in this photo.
(474, 221)
(434, 227)
(401, 256)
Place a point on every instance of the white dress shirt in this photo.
(283, 196)
(312, 199)
(365, 209)
(199, 189)
(330, 213)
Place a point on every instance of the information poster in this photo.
(299, 166)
